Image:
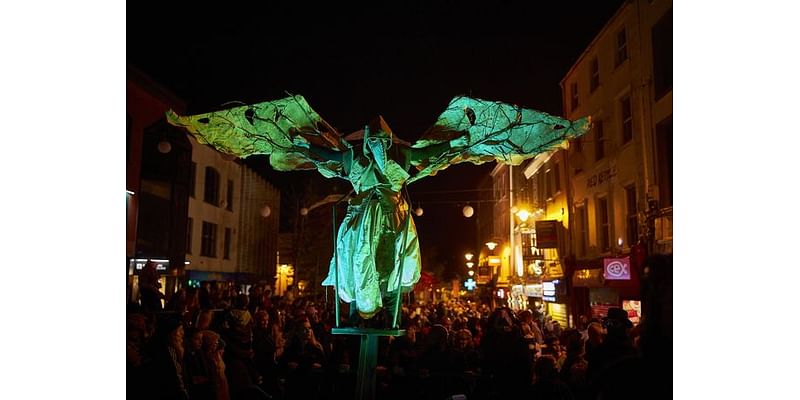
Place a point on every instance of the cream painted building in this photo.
(624, 81)
(228, 236)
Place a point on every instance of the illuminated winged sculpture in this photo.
(377, 251)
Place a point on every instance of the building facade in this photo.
(620, 174)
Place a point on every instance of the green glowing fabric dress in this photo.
(377, 239)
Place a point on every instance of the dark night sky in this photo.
(402, 62)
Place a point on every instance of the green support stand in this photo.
(367, 357)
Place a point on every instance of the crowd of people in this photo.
(215, 343)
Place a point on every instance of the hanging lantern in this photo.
(419, 211)
(468, 211)
(164, 146)
(266, 211)
(304, 211)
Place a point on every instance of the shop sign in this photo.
(634, 309)
(549, 290)
(617, 268)
(494, 260)
(547, 234)
(161, 265)
(534, 290)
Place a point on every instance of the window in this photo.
(540, 188)
(192, 178)
(211, 195)
(603, 232)
(594, 75)
(548, 181)
(627, 119)
(189, 224)
(128, 136)
(622, 47)
(599, 141)
(664, 158)
(633, 219)
(557, 178)
(226, 246)
(208, 244)
(573, 94)
(662, 55)
(229, 200)
(583, 233)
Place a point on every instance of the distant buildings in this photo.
(198, 215)
(610, 193)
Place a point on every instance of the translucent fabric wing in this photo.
(280, 128)
(480, 131)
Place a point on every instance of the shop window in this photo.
(211, 193)
(627, 119)
(633, 215)
(208, 244)
(594, 75)
(622, 47)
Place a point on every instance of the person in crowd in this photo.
(548, 385)
(264, 353)
(573, 370)
(149, 294)
(213, 354)
(507, 360)
(463, 364)
(197, 374)
(166, 367)
(303, 359)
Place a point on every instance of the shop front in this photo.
(555, 302)
(608, 282)
(135, 266)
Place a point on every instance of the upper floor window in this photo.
(599, 141)
(603, 225)
(594, 75)
(622, 47)
(226, 245)
(192, 178)
(189, 226)
(583, 232)
(573, 94)
(662, 55)
(557, 178)
(229, 199)
(632, 217)
(211, 194)
(208, 242)
(627, 119)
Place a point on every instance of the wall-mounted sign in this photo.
(161, 265)
(547, 234)
(601, 177)
(470, 284)
(549, 290)
(494, 260)
(617, 268)
(634, 309)
(534, 290)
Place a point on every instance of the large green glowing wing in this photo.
(281, 128)
(480, 131)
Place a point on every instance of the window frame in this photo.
(621, 48)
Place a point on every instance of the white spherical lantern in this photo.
(468, 211)
(419, 211)
(266, 211)
(164, 146)
(304, 211)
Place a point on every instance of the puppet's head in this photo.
(377, 140)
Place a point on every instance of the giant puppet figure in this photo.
(377, 251)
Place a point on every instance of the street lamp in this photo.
(470, 264)
(468, 256)
(491, 244)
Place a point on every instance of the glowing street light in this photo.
(470, 264)
(523, 215)
(471, 272)
(468, 256)
(491, 244)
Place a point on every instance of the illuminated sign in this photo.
(547, 234)
(161, 265)
(494, 260)
(617, 268)
(549, 290)
(470, 284)
(501, 293)
(535, 290)
(634, 310)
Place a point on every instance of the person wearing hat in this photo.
(616, 344)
